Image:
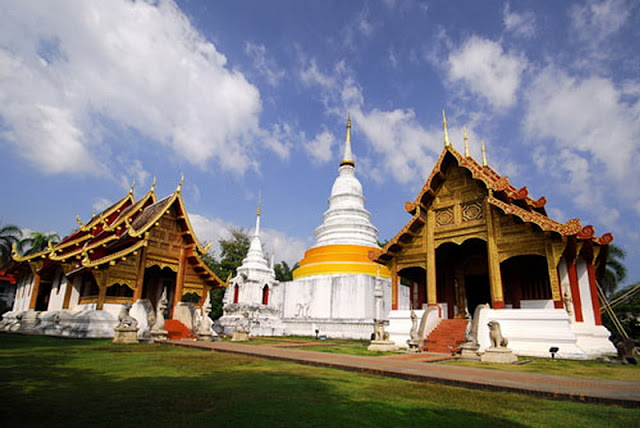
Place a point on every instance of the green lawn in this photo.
(54, 382)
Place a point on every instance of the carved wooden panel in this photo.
(444, 217)
(472, 211)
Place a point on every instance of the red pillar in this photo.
(593, 286)
(575, 291)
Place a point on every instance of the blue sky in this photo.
(246, 96)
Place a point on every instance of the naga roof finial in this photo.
(153, 185)
(466, 143)
(447, 143)
(133, 186)
(179, 189)
(484, 155)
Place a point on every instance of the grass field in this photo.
(54, 382)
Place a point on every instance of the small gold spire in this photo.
(466, 143)
(349, 127)
(133, 186)
(14, 250)
(447, 143)
(80, 223)
(179, 189)
(347, 159)
(153, 185)
(207, 247)
(484, 155)
(259, 210)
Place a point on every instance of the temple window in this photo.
(265, 295)
(235, 293)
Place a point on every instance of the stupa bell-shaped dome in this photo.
(346, 234)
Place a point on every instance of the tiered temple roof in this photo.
(119, 231)
(502, 195)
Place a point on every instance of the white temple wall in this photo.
(404, 297)
(585, 292)
(75, 292)
(58, 288)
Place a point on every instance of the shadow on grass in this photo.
(60, 382)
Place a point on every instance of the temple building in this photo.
(475, 241)
(332, 290)
(131, 252)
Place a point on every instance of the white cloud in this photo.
(99, 204)
(320, 147)
(595, 21)
(281, 138)
(64, 66)
(311, 75)
(275, 242)
(519, 24)
(593, 129)
(264, 64)
(487, 71)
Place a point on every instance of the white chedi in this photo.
(347, 222)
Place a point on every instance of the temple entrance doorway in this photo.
(415, 279)
(462, 276)
(525, 278)
(155, 281)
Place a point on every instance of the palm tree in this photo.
(38, 241)
(615, 272)
(9, 235)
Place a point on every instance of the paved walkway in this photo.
(419, 369)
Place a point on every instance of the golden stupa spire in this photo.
(484, 155)
(133, 186)
(348, 155)
(466, 143)
(447, 143)
(153, 185)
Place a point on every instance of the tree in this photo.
(615, 272)
(232, 252)
(9, 235)
(283, 271)
(38, 241)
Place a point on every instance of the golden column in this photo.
(432, 291)
(495, 278)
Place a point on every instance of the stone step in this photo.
(447, 336)
(177, 330)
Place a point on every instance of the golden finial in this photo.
(207, 247)
(447, 143)
(348, 155)
(153, 185)
(466, 143)
(85, 257)
(179, 189)
(484, 155)
(50, 245)
(14, 250)
(259, 210)
(228, 279)
(133, 186)
(80, 223)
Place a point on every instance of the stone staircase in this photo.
(177, 331)
(447, 336)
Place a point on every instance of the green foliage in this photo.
(38, 241)
(615, 272)
(283, 271)
(9, 235)
(627, 312)
(65, 382)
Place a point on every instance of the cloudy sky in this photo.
(250, 96)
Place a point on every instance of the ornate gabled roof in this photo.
(502, 194)
(487, 175)
(121, 230)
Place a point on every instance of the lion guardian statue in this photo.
(495, 334)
